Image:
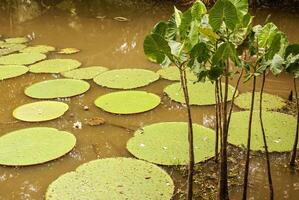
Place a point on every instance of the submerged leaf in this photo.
(172, 73)
(38, 49)
(68, 51)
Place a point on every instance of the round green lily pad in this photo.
(10, 48)
(85, 73)
(279, 128)
(199, 93)
(173, 74)
(57, 88)
(17, 40)
(68, 51)
(113, 178)
(54, 66)
(38, 49)
(128, 102)
(270, 102)
(10, 71)
(167, 143)
(126, 78)
(32, 146)
(21, 58)
(40, 111)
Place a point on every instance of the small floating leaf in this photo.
(199, 93)
(121, 19)
(10, 71)
(173, 74)
(21, 58)
(167, 143)
(57, 88)
(126, 78)
(32, 146)
(40, 111)
(270, 102)
(113, 178)
(85, 73)
(38, 49)
(68, 51)
(279, 128)
(17, 40)
(128, 102)
(54, 66)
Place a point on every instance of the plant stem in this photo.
(190, 135)
(223, 193)
(245, 184)
(293, 156)
(233, 99)
(265, 139)
(217, 121)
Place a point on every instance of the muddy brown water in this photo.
(114, 44)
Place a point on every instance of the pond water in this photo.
(113, 44)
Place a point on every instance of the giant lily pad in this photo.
(126, 78)
(10, 71)
(40, 111)
(85, 73)
(270, 102)
(11, 48)
(68, 51)
(199, 93)
(38, 49)
(54, 66)
(17, 40)
(173, 74)
(113, 178)
(279, 128)
(57, 88)
(32, 146)
(128, 102)
(21, 58)
(167, 143)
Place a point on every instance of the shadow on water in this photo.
(91, 26)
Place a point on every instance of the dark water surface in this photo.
(113, 44)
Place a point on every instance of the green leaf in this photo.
(276, 65)
(225, 50)
(274, 46)
(223, 11)
(156, 48)
(241, 6)
(292, 49)
(198, 10)
(177, 17)
(200, 52)
(266, 34)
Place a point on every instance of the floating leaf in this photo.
(270, 102)
(68, 51)
(167, 143)
(113, 178)
(85, 73)
(126, 78)
(11, 48)
(38, 49)
(279, 128)
(128, 102)
(10, 71)
(173, 74)
(57, 88)
(40, 111)
(21, 58)
(17, 40)
(32, 146)
(54, 66)
(121, 19)
(199, 93)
